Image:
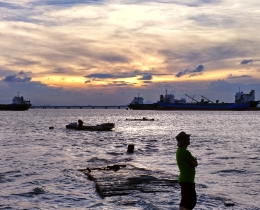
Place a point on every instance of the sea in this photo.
(39, 166)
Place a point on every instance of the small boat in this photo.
(98, 127)
(141, 119)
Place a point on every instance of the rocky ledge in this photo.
(123, 179)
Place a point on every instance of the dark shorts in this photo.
(188, 195)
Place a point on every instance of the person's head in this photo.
(80, 122)
(183, 139)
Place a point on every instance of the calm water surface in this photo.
(38, 167)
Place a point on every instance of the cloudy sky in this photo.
(82, 52)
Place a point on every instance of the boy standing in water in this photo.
(186, 163)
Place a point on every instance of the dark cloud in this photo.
(243, 62)
(112, 76)
(59, 71)
(27, 11)
(99, 76)
(200, 68)
(66, 2)
(87, 81)
(191, 73)
(62, 70)
(4, 72)
(114, 58)
(147, 72)
(146, 77)
(187, 3)
(25, 62)
(194, 75)
(238, 77)
(181, 73)
(198, 3)
(24, 74)
(104, 76)
(166, 85)
(9, 5)
(18, 12)
(218, 53)
(20, 77)
(119, 83)
(213, 20)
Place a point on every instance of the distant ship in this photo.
(138, 104)
(19, 104)
(241, 97)
(168, 102)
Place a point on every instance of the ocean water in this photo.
(38, 167)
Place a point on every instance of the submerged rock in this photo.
(119, 180)
(229, 203)
(37, 191)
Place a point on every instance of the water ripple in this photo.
(39, 165)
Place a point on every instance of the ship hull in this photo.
(192, 106)
(254, 104)
(14, 107)
(143, 106)
(204, 107)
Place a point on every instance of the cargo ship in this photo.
(168, 102)
(19, 104)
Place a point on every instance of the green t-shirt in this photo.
(184, 159)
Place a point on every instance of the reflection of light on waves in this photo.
(140, 166)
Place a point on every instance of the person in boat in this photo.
(186, 164)
(80, 123)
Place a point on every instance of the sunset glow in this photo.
(128, 47)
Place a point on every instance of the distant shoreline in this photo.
(81, 107)
(105, 107)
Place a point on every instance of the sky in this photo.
(105, 52)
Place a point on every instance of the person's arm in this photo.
(194, 163)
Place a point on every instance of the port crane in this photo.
(209, 100)
(192, 98)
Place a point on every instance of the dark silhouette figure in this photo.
(80, 122)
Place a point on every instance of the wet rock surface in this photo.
(121, 179)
